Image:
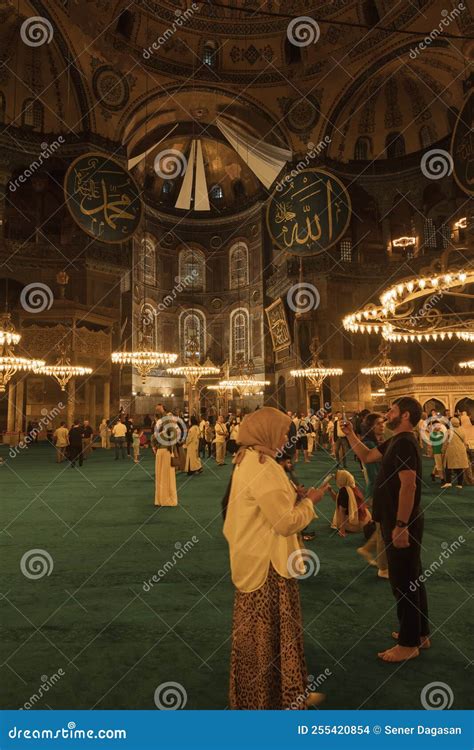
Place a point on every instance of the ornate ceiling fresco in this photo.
(146, 71)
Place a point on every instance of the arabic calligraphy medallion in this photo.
(309, 213)
(103, 198)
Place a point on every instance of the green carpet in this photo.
(116, 643)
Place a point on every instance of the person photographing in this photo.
(396, 506)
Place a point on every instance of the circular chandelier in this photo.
(316, 373)
(245, 383)
(9, 362)
(192, 370)
(469, 365)
(8, 334)
(63, 371)
(385, 370)
(400, 317)
(143, 360)
(221, 388)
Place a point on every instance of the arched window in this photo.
(209, 54)
(395, 145)
(292, 52)
(239, 336)
(168, 186)
(192, 334)
(363, 148)
(346, 250)
(125, 24)
(426, 138)
(32, 115)
(238, 265)
(148, 326)
(2, 107)
(192, 268)
(216, 193)
(147, 263)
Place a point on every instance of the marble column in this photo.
(71, 401)
(106, 402)
(11, 408)
(19, 395)
(92, 403)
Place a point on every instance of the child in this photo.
(136, 439)
(351, 512)
(437, 438)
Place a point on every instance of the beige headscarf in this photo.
(262, 430)
(344, 478)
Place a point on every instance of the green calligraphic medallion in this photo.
(309, 212)
(462, 146)
(103, 198)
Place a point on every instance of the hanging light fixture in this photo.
(10, 363)
(385, 370)
(63, 370)
(469, 365)
(192, 370)
(316, 373)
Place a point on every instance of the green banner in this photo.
(103, 198)
(308, 213)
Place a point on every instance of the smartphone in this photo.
(327, 479)
(344, 418)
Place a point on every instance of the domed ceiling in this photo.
(163, 172)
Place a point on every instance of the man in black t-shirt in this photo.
(396, 506)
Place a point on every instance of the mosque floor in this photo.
(112, 638)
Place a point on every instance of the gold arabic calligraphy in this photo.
(312, 229)
(113, 205)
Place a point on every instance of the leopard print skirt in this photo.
(267, 668)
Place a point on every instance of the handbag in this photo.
(175, 461)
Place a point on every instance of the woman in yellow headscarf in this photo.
(351, 512)
(262, 519)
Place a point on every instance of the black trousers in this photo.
(458, 473)
(404, 568)
(75, 453)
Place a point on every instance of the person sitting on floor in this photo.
(351, 512)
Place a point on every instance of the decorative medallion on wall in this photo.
(167, 240)
(301, 115)
(216, 303)
(110, 88)
(216, 242)
(278, 325)
(308, 212)
(462, 146)
(103, 198)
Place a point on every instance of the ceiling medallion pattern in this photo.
(111, 89)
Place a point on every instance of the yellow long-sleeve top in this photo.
(262, 521)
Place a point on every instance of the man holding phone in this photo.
(396, 506)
